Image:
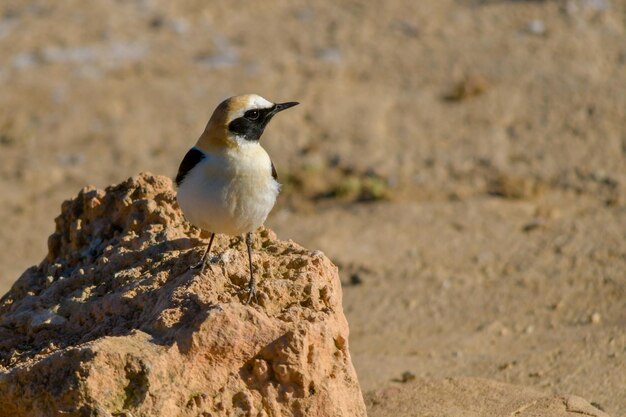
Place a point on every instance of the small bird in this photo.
(227, 182)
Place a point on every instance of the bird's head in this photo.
(238, 121)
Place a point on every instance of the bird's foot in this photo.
(202, 265)
(203, 260)
(252, 293)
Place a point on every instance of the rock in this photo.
(536, 27)
(472, 397)
(514, 187)
(112, 323)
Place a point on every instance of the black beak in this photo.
(283, 106)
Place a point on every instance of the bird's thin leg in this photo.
(202, 262)
(206, 254)
(251, 284)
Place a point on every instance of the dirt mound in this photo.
(112, 321)
(473, 397)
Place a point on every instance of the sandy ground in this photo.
(463, 162)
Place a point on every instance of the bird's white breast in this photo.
(230, 192)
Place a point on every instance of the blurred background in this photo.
(462, 161)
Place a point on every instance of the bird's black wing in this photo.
(274, 174)
(190, 160)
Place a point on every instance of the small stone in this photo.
(332, 55)
(407, 376)
(532, 225)
(355, 279)
(536, 27)
(595, 318)
(470, 86)
(180, 26)
(581, 406)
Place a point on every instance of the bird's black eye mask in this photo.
(252, 124)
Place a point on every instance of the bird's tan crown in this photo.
(216, 134)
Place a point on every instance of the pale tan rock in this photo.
(112, 323)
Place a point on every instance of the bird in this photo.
(227, 183)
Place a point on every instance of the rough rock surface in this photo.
(473, 397)
(112, 323)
